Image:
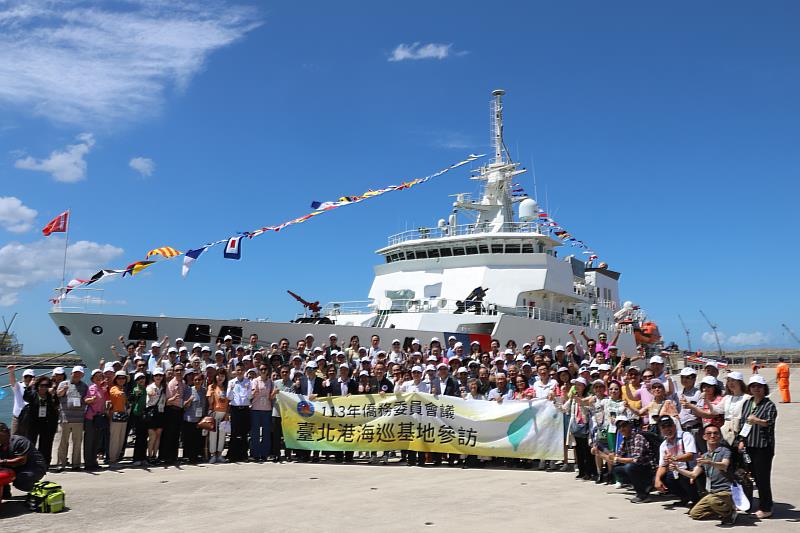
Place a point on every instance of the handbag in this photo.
(739, 498)
(225, 426)
(208, 423)
(120, 416)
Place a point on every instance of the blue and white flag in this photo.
(233, 250)
(190, 257)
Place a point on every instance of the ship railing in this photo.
(462, 229)
(82, 299)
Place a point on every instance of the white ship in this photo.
(489, 277)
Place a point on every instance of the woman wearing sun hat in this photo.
(757, 439)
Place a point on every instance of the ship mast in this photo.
(495, 208)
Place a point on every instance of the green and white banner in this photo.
(529, 429)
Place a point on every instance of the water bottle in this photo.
(746, 457)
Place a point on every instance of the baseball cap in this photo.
(109, 367)
(441, 365)
(756, 379)
(429, 368)
(736, 375)
(156, 345)
(78, 368)
(172, 349)
(183, 349)
(665, 421)
(712, 363)
(547, 348)
(28, 372)
(363, 373)
(227, 338)
(344, 366)
(579, 380)
(311, 364)
(559, 348)
(462, 369)
(120, 374)
(137, 376)
(219, 352)
(657, 359)
(205, 349)
(58, 370)
(509, 351)
(157, 372)
(98, 371)
(416, 368)
(709, 380)
(604, 366)
(623, 420)
(688, 371)
(333, 336)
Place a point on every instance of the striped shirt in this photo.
(760, 436)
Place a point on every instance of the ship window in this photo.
(541, 248)
(483, 248)
(388, 259)
(446, 252)
(141, 330)
(458, 250)
(512, 248)
(410, 255)
(527, 248)
(472, 250)
(198, 333)
(497, 248)
(433, 253)
(422, 254)
(233, 331)
(401, 256)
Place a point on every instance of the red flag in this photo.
(57, 225)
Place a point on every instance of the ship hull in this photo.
(92, 334)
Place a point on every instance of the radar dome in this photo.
(528, 210)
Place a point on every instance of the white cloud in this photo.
(755, 338)
(24, 265)
(15, 216)
(418, 50)
(97, 63)
(143, 165)
(67, 165)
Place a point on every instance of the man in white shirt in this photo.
(18, 390)
(679, 449)
(240, 393)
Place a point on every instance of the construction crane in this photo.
(686, 330)
(716, 335)
(791, 333)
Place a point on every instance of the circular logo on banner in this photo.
(305, 409)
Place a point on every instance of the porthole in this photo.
(97, 330)
(64, 331)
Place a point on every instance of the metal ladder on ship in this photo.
(380, 320)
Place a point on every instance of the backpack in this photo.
(653, 444)
(46, 497)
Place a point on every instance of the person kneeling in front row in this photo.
(18, 454)
(718, 502)
(633, 461)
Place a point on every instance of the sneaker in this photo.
(136, 463)
(221, 459)
(617, 485)
(566, 467)
(763, 514)
(212, 460)
(385, 459)
(640, 499)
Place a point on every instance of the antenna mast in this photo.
(686, 331)
(498, 125)
(714, 329)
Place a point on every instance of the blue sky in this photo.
(665, 136)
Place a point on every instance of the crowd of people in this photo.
(626, 420)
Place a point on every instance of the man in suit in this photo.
(344, 385)
(310, 386)
(445, 385)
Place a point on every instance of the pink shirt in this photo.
(98, 406)
(262, 389)
(175, 386)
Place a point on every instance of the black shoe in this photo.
(599, 479)
(6, 492)
(640, 499)
(579, 475)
